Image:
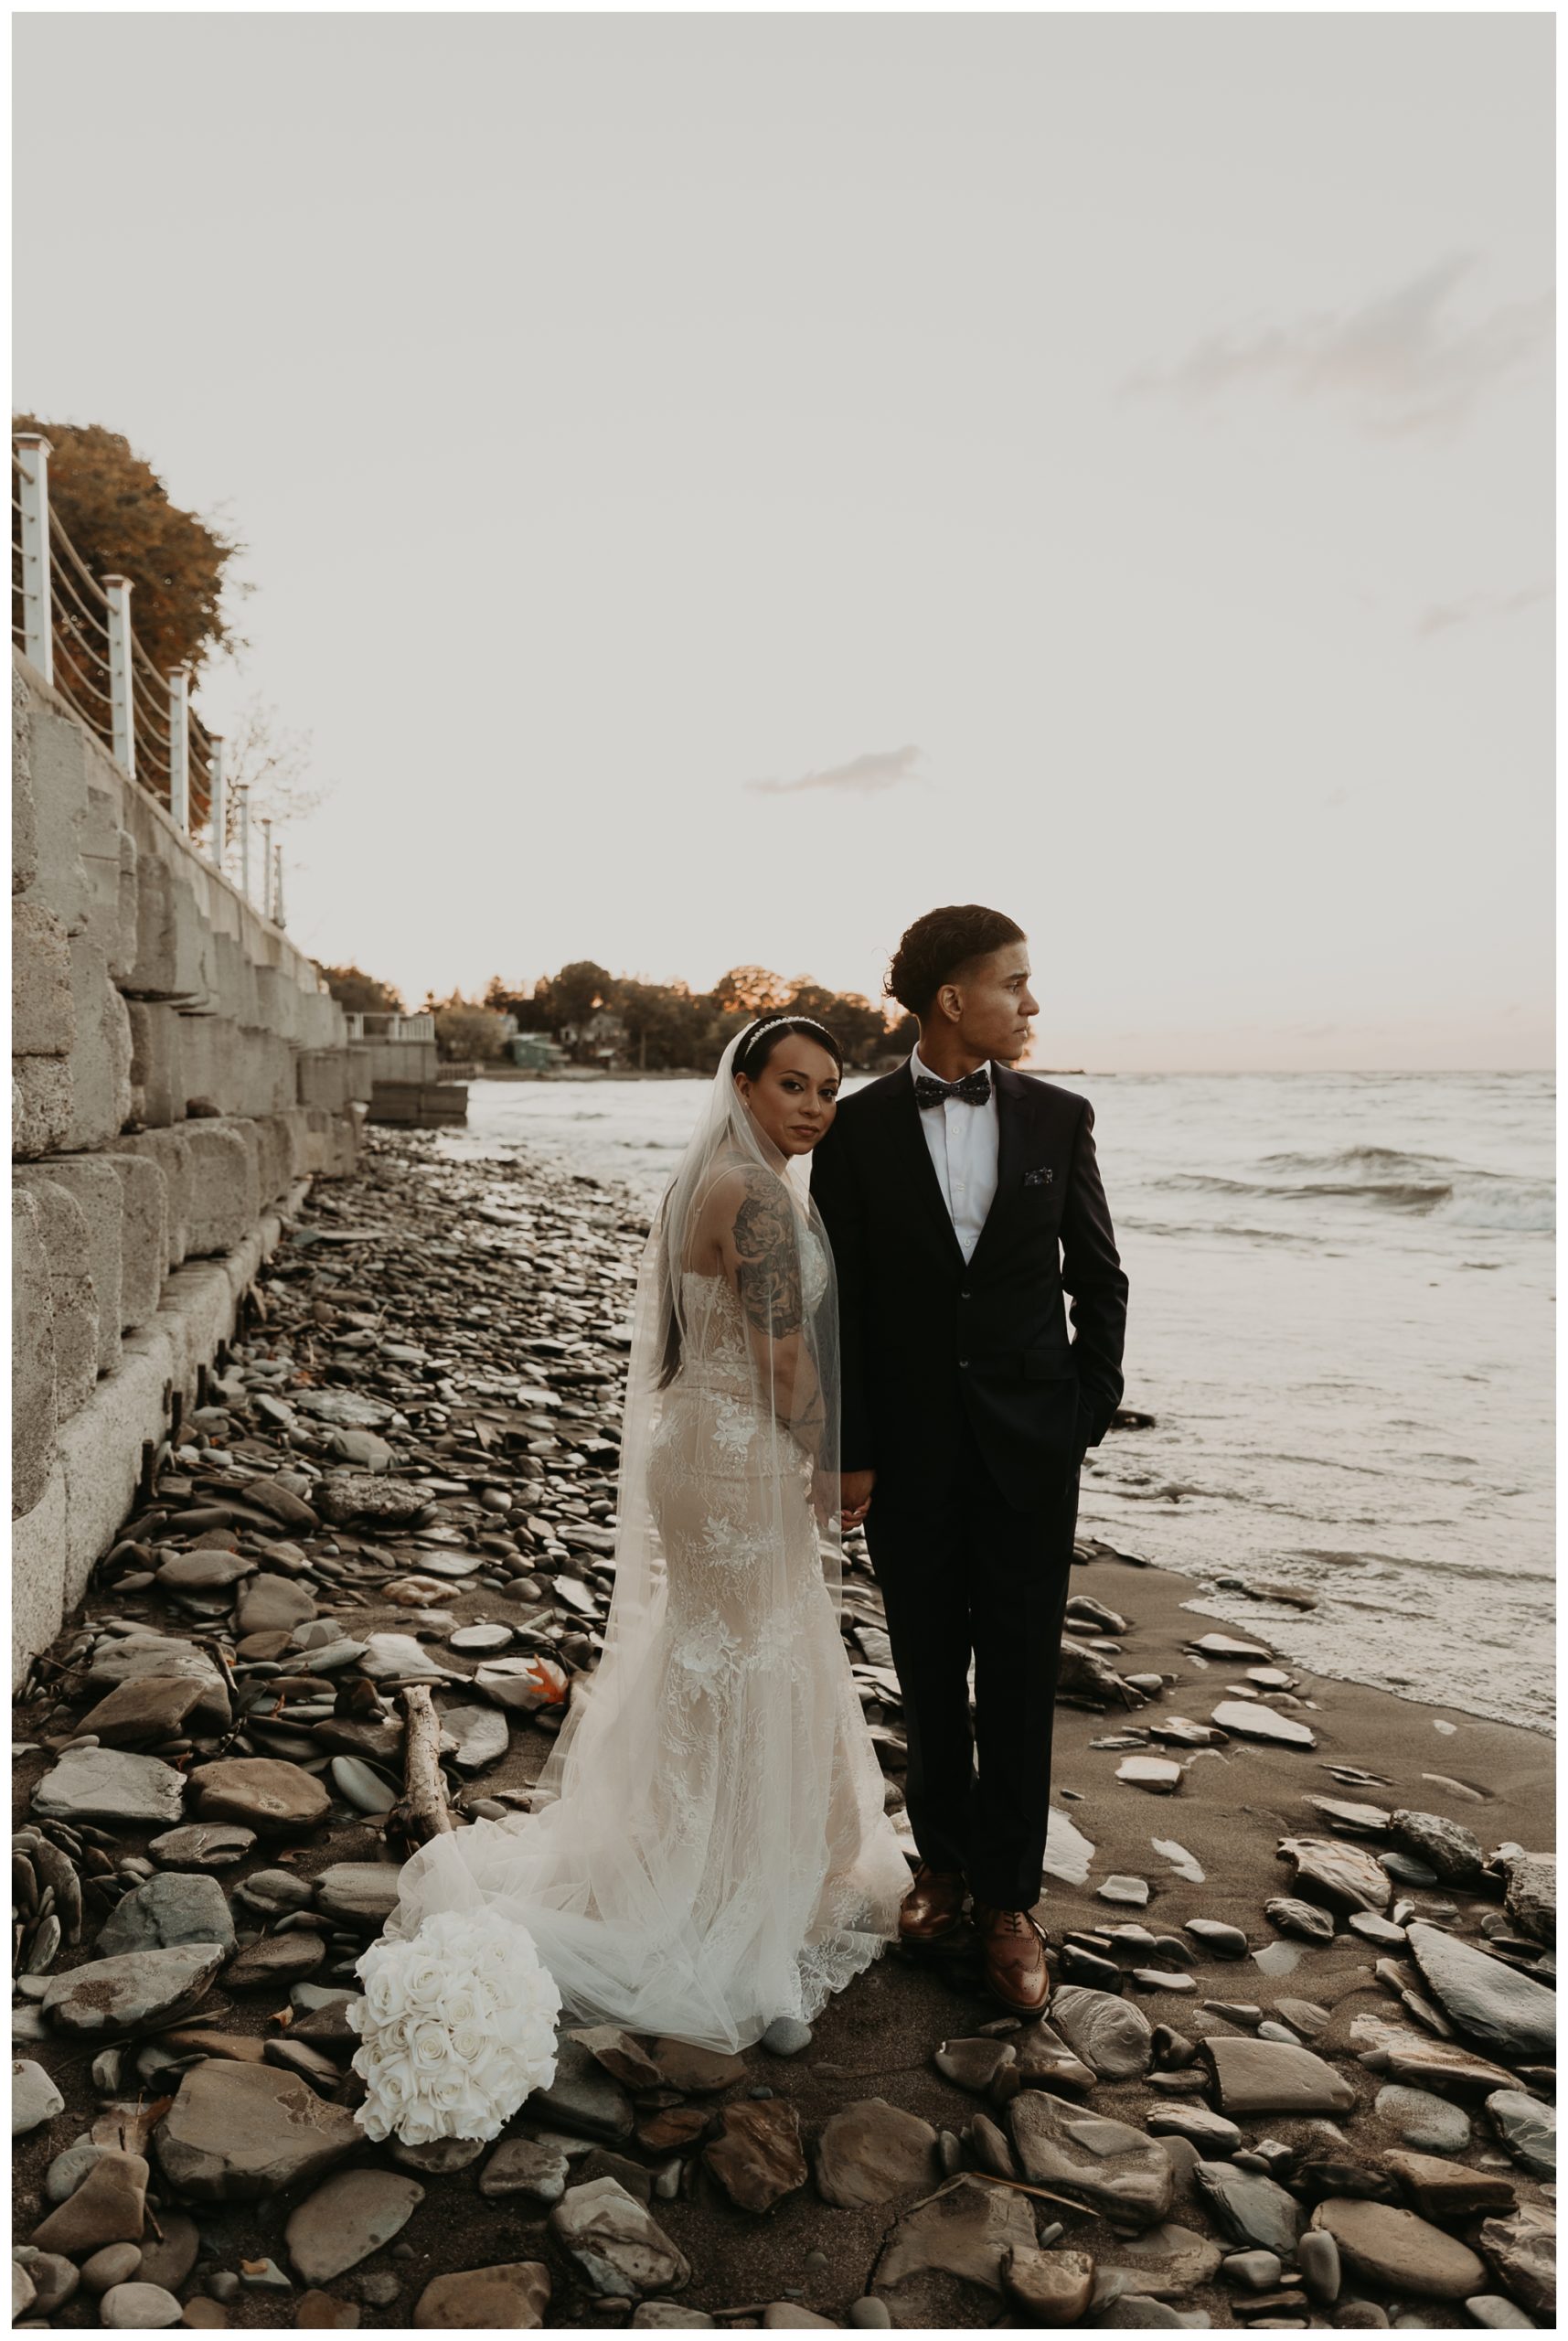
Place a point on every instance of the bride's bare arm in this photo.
(761, 1250)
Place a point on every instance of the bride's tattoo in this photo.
(768, 1277)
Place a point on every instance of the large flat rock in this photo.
(1105, 2165)
(114, 1995)
(107, 1784)
(1490, 2002)
(353, 2215)
(238, 2132)
(1401, 2251)
(277, 1799)
(872, 2152)
(511, 2298)
(1271, 2077)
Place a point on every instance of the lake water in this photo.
(1342, 1319)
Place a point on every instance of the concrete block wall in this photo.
(179, 1071)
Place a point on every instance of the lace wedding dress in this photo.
(715, 1851)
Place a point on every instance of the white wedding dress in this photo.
(715, 1852)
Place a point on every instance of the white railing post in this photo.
(220, 795)
(278, 885)
(243, 794)
(179, 749)
(32, 452)
(266, 867)
(117, 592)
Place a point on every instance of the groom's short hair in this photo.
(939, 946)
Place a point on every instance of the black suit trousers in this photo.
(964, 1573)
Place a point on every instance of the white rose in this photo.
(461, 2002)
(430, 2048)
(425, 1984)
(381, 1994)
(395, 2086)
(469, 2042)
(419, 2130)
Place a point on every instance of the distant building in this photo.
(536, 1052)
(599, 1039)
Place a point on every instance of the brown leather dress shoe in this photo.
(1013, 1950)
(934, 1906)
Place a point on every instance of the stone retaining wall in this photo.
(178, 1070)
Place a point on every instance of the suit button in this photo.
(965, 1294)
(963, 1361)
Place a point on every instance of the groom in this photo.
(963, 1201)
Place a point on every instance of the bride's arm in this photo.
(760, 1248)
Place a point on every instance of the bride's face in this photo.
(795, 1096)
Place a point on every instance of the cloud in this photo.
(866, 775)
(1475, 606)
(1401, 363)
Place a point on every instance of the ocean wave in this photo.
(1383, 1162)
(1489, 1198)
(1522, 1206)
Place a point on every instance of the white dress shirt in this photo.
(963, 1142)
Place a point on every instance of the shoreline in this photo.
(470, 1313)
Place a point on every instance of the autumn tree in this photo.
(750, 991)
(571, 997)
(122, 523)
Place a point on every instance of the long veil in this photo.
(730, 1173)
(708, 1848)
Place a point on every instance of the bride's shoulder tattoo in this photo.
(768, 1275)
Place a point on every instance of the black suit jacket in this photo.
(929, 1340)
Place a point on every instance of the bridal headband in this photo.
(758, 1029)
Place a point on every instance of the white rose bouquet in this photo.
(456, 2027)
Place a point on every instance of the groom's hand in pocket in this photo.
(855, 1496)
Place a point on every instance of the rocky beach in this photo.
(1298, 2069)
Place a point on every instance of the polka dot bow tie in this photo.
(974, 1089)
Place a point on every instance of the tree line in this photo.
(655, 1027)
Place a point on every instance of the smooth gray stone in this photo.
(1527, 2127)
(1112, 2036)
(203, 1845)
(1253, 2210)
(787, 2037)
(1492, 2311)
(1424, 2121)
(34, 2097)
(1252, 1719)
(1251, 2272)
(138, 2308)
(171, 1906)
(481, 1734)
(1317, 2257)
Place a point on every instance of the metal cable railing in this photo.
(76, 629)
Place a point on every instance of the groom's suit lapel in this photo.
(1015, 1094)
(908, 1140)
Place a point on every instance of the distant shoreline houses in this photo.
(599, 1040)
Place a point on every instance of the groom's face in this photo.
(994, 1006)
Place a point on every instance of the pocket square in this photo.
(1041, 1178)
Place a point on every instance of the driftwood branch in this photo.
(423, 1813)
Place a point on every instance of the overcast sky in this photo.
(716, 487)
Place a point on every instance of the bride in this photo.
(709, 1848)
